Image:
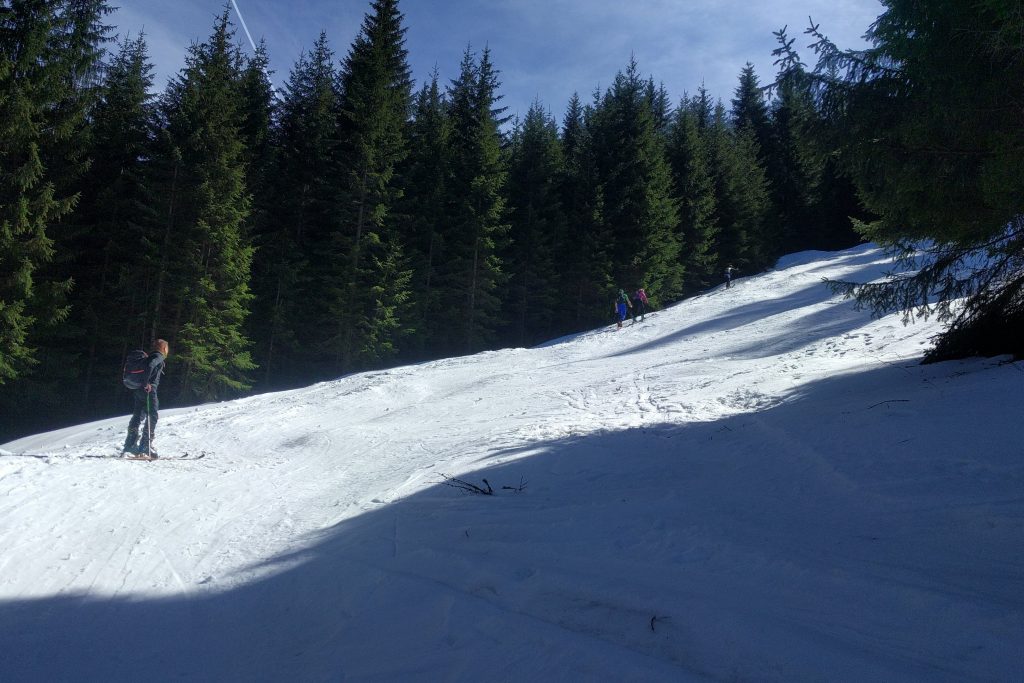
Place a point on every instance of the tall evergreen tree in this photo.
(741, 195)
(294, 231)
(755, 151)
(838, 209)
(48, 53)
(424, 214)
(750, 110)
(795, 170)
(366, 302)
(703, 108)
(814, 201)
(114, 225)
(688, 157)
(209, 255)
(927, 121)
(639, 208)
(477, 226)
(585, 251)
(537, 227)
(661, 106)
(257, 106)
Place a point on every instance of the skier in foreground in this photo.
(146, 403)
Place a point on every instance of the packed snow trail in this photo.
(758, 483)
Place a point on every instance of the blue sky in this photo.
(545, 49)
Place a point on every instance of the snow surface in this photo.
(757, 484)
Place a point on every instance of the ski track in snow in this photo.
(758, 483)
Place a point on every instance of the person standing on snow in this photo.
(621, 305)
(146, 403)
(639, 304)
(728, 276)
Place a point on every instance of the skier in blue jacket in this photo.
(621, 305)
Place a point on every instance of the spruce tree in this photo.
(838, 209)
(927, 123)
(753, 148)
(423, 213)
(704, 109)
(661, 106)
(688, 157)
(114, 226)
(293, 263)
(585, 251)
(209, 256)
(477, 224)
(795, 170)
(537, 228)
(639, 208)
(750, 110)
(814, 201)
(367, 298)
(741, 195)
(48, 54)
(258, 106)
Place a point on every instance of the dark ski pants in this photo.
(138, 413)
(639, 309)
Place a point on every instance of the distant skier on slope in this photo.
(621, 306)
(639, 304)
(142, 377)
(729, 270)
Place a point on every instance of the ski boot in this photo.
(131, 445)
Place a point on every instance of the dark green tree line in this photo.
(345, 223)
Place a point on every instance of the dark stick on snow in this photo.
(467, 486)
(895, 400)
(518, 489)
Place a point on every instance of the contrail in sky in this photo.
(248, 35)
(246, 28)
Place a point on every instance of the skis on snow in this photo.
(145, 458)
(120, 455)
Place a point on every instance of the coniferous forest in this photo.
(355, 219)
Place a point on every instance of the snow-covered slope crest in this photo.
(758, 483)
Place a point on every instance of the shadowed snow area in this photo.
(756, 484)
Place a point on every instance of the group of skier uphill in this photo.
(638, 302)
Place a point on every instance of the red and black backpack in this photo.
(136, 369)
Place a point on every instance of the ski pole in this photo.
(149, 429)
